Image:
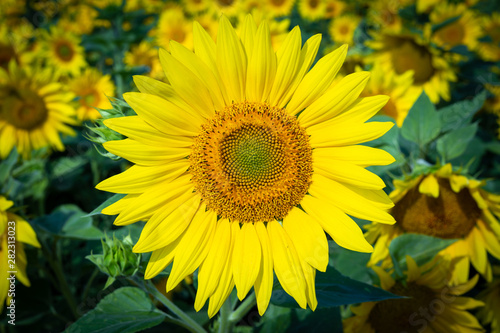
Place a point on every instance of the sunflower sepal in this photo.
(117, 259)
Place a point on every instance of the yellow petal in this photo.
(248, 32)
(163, 115)
(429, 186)
(347, 134)
(347, 173)
(147, 203)
(288, 57)
(261, 66)
(287, 263)
(160, 259)
(231, 61)
(264, 282)
(336, 100)
(308, 238)
(413, 272)
(120, 205)
(139, 130)
(347, 200)
(211, 269)
(168, 223)
(138, 179)
(193, 247)
(360, 111)
(343, 230)
(247, 255)
(306, 58)
(204, 46)
(491, 241)
(362, 156)
(24, 232)
(317, 81)
(187, 85)
(310, 276)
(143, 154)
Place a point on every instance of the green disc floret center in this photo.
(252, 156)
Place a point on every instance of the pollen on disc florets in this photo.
(251, 162)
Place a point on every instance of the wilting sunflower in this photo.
(447, 205)
(225, 154)
(92, 89)
(62, 51)
(33, 110)
(400, 53)
(14, 232)
(432, 304)
(465, 30)
(398, 87)
(488, 315)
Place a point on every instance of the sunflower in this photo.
(490, 51)
(173, 25)
(62, 52)
(312, 10)
(144, 54)
(384, 14)
(401, 52)
(12, 46)
(334, 8)
(195, 7)
(33, 109)
(15, 232)
(447, 205)
(398, 87)
(227, 7)
(278, 7)
(432, 304)
(491, 298)
(342, 29)
(92, 89)
(79, 18)
(249, 135)
(465, 30)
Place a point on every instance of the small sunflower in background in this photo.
(20, 231)
(250, 135)
(13, 46)
(447, 205)
(384, 14)
(399, 88)
(488, 315)
(194, 7)
(334, 8)
(312, 10)
(145, 54)
(92, 89)
(278, 8)
(432, 303)
(173, 25)
(62, 51)
(34, 109)
(341, 29)
(464, 30)
(490, 50)
(403, 52)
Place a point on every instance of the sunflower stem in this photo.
(225, 325)
(193, 325)
(243, 309)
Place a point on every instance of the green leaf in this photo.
(69, 221)
(7, 165)
(421, 248)
(277, 319)
(106, 203)
(454, 143)
(459, 114)
(422, 124)
(334, 289)
(350, 263)
(126, 310)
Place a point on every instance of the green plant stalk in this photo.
(243, 309)
(225, 325)
(193, 325)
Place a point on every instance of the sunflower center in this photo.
(394, 315)
(23, 109)
(452, 34)
(251, 162)
(408, 55)
(313, 3)
(90, 99)
(344, 29)
(7, 53)
(64, 51)
(451, 215)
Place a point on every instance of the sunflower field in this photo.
(250, 166)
